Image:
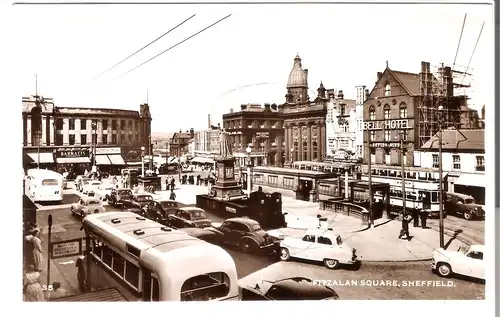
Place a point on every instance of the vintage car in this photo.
(466, 261)
(104, 191)
(188, 217)
(318, 245)
(294, 288)
(163, 207)
(207, 234)
(463, 205)
(137, 201)
(118, 196)
(86, 206)
(81, 182)
(91, 187)
(245, 233)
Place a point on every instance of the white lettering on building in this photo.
(386, 125)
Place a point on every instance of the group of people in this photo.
(405, 223)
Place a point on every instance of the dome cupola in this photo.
(298, 76)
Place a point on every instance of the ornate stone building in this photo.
(304, 120)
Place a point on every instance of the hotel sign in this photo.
(72, 152)
(386, 125)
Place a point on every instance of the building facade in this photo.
(179, 143)
(361, 94)
(304, 120)
(340, 123)
(75, 138)
(206, 142)
(463, 155)
(261, 128)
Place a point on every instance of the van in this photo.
(463, 205)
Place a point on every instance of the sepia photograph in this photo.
(254, 152)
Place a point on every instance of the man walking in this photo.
(172, 194)
(405, 230)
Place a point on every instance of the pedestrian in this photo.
(198, 177)
(415, 217)
(172, 183)
(28, 248)
(37, 250)
(32, 289)
(405, 230)
(423, 217)
(80, 275)
(172, 195)
(57, 292)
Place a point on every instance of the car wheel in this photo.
(246, 246)
(331, 263)
(284, 254)
(467, 216)
(444, 270)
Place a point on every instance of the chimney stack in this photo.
(230, 110)
(209, 122)
(274, 107)
(340, 95)
(267, 106)
(243, 107)
(191, 133)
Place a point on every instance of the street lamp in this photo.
(94, 141)
(142, 159)
(249, 170)
(441, 224)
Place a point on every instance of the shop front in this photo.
(73, 160)
(109, 160)
(41, 159)
(471, 184)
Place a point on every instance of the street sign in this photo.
(62, 249)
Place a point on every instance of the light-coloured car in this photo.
(91, 187)
(86, 206)
(467, 261)
(318, 245)
(104, 191)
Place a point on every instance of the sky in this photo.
(341, 45)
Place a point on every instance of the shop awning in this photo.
(72, 160)
(116, 159)
(478, 180)
(44, 157)
(102, 160)
(202, 160)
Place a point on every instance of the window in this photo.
(130, 138)
(434, 197)
(97, 248)
(480, 163)
(324, 240)
(342, 110)
(287, 182)
(50, 182)
(122, 125)
(435, 161)
(59, 139)
(104, 124)
(403, 111)
(309, 238)
(272, 180)
(387, 89)
(372, 135)
(404, 134)
(372, 113)
(83, 139)
(122, 138)
(475, 255)
(205, 287)
(83, 124)
(387, 156)
(278, 293)
(59, 124)
(130, 125)
(114, 139)
(71, 124)
(71, 139)
(107, 255)
(132, 274)
(387, 112)
(387, 135)
(456, 162)
(105, 139)
(113, 125)
(118, 264)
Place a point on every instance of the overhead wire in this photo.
(473, 51)
(123, 60)
(459, 41)
(171, 47)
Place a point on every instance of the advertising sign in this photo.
(72, 152)
(62, 249)
(108, 150)
(386, 125)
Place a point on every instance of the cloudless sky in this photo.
(341, 45)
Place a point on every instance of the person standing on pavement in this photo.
(172, 183)
(80, 275)
(172, 195)
(32, 289)
(37, 250)
(415, 212)
(423, 217)
(405, 230)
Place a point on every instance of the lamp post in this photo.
(94, 141)
(441, 222)
(403, 180)
(249, 170)
(370, 192)
(142, 160)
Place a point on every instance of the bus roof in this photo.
(35, 172)
(160, 247)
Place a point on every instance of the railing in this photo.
(346, 208)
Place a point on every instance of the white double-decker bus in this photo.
(147, 261)
(45, 185)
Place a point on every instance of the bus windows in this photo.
(118, 264)
(107, 255)
(205, 287)
(132, 274)
(50, 182)
(155, 296)
(97, 248)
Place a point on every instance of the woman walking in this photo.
(37, 250)
(80, 275)
(32, 289)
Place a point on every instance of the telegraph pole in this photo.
(403, 180)
(370, 193)
(441, 221)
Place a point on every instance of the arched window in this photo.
(387, 112)
(387, 89)
(372, 113)
(403, 111)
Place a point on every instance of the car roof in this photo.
(123, 189)
(464, 196)
(142, 195)
(321, 232)
(87, 199)
(246, 221)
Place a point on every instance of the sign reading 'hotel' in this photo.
(386, 125)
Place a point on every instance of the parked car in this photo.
(463, 205)
(206, 234)
(245, 233)
(104, 191)
(164, 207)
(466, 261)
(294, 288)
(86, 206)
(137, 201)
(188, 217)
(318, 245)
(81, 182)
(91, 187)
(119, 195)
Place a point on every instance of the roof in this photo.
(191, 209)
(247, 221)
(297, 76)
(410, 81)
(288, 171)
(460, 140)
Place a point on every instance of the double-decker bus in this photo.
(147, 261)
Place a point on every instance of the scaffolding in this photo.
(446, 87)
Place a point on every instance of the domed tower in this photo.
(297, 83)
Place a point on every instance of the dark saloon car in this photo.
(189, 217)
(118, 196)
(207, 234)
(137, 201)
(295, 288)
(247, 234)
(161, 208)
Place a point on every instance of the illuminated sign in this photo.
(386, 125)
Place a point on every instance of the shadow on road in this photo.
(455, 235)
